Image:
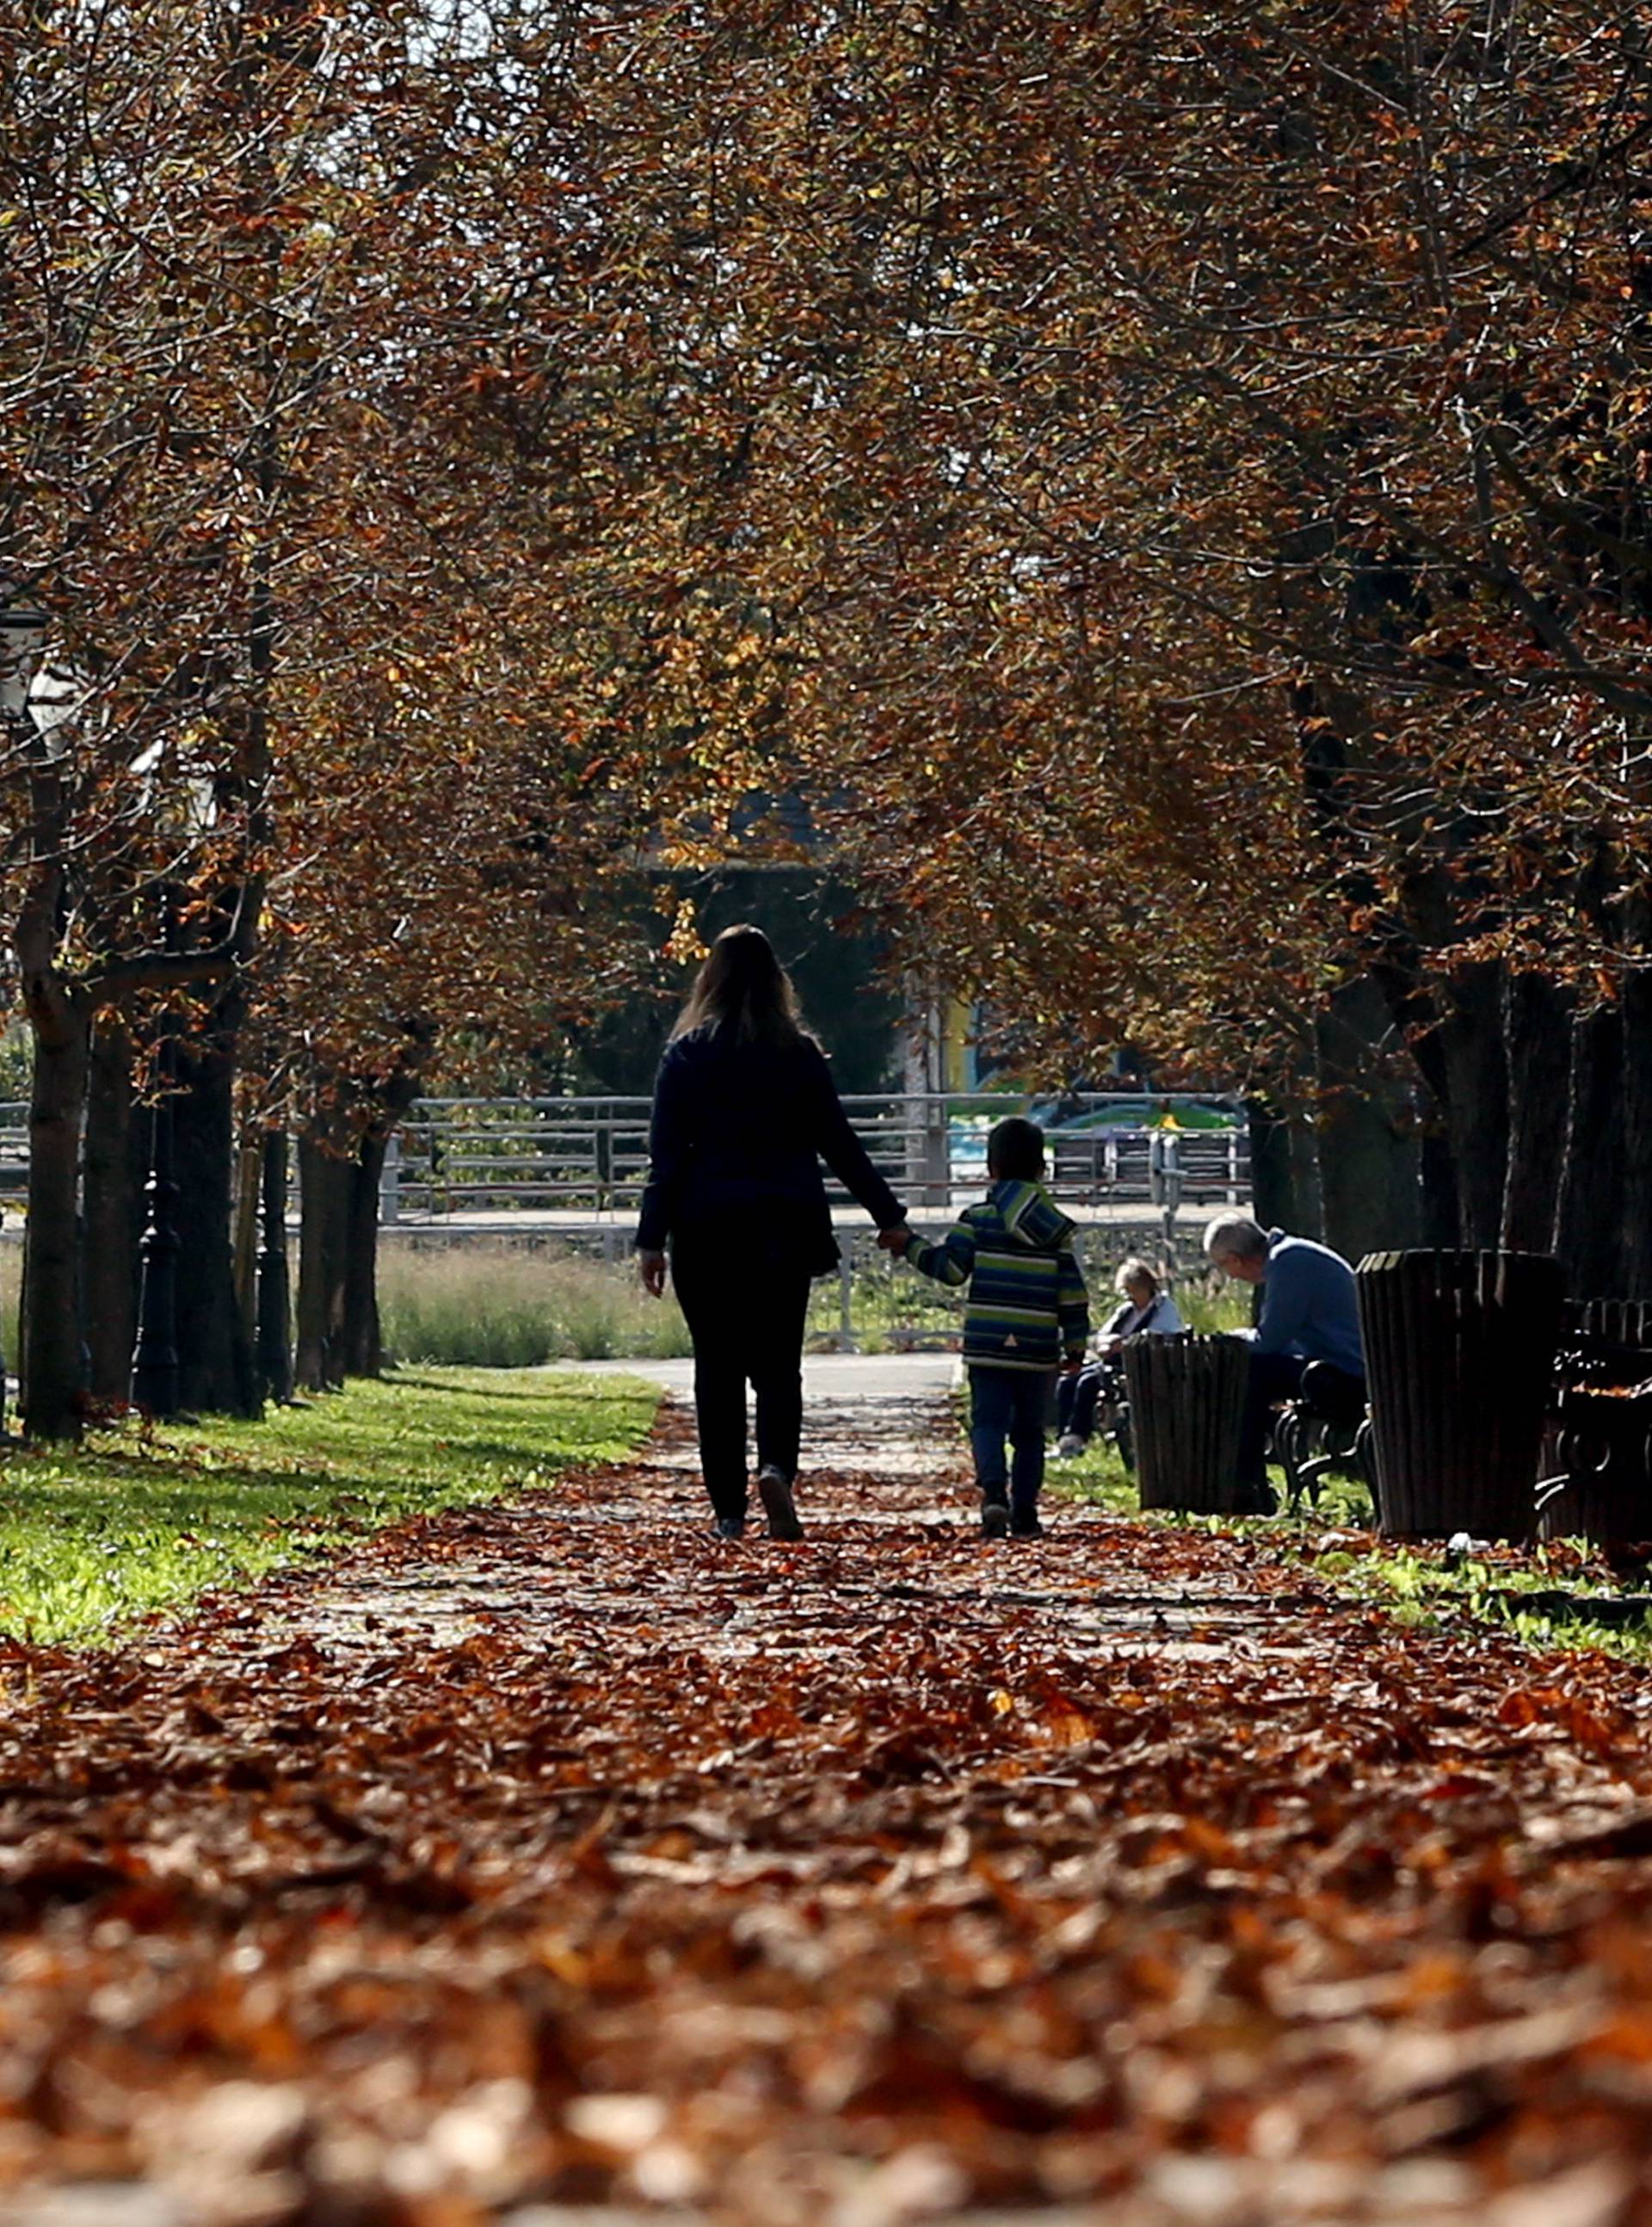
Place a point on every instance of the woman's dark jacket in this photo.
(739, 1131)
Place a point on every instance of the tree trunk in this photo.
(1370, 1179)
(1442, 1220)
(249, 1192)
(1537, 1046)
(1273, 1185)
(1635, 1266)
(215, 1374)
(54, 1392)
(1306, 1194)
(1475, 1074)
(112, 1170)
(155, 1359)
(324, 1181)
(1589, 1225)
(275, 1295)
(1415, 1016)
(363, 1346)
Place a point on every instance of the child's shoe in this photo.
(1025, 1524)
(995, 1512)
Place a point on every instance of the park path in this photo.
(553, 1863)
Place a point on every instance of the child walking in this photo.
(1027, 1315)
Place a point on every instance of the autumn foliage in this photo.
(1167, 484)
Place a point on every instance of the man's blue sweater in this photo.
(1308, 1303)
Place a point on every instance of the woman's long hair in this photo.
(743, 988)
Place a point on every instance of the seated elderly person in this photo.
(1308, 1313)
(1143, 1307)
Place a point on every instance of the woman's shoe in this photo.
(775, 1490)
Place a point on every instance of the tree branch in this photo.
(162, 970)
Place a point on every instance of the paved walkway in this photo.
(878, 1386)
(553, 1863)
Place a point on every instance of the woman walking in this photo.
(744, 1109)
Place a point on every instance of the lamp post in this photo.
(22, 635)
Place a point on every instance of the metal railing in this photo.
(14, 1150)
(590, 1155)
(587, 1158)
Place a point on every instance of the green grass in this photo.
(1098, 1476)
(490, 1306)
(1422, 1585)
(1513, 1587)
(1209, 1302)
(135, 1520)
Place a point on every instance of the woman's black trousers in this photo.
(745, 1315)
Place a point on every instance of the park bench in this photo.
(1460, 1350)
(1326, 1428)
(1599, 1447)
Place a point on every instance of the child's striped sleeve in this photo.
(951, 1261)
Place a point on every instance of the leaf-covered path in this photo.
(553, 1862)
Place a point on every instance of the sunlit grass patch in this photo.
(136, 1519)
(1564, 1594)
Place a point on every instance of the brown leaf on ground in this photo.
(556, 1859)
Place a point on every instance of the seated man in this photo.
(1308, 1313)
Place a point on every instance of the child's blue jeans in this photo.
(1008, 1403)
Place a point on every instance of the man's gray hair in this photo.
(1236, 1234)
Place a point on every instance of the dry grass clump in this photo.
(489, 1306)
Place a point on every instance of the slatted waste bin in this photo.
(1600, 1484)
(1187, 1398)
(1459, 1355)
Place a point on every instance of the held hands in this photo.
(651, 1267)
(1071, 1364)
(895, 1238)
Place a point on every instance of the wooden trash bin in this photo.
(1600, 1447)
(1187, 1398)
(1459, 1357)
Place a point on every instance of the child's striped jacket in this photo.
(1027, 1304)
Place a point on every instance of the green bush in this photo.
(476, 1306)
